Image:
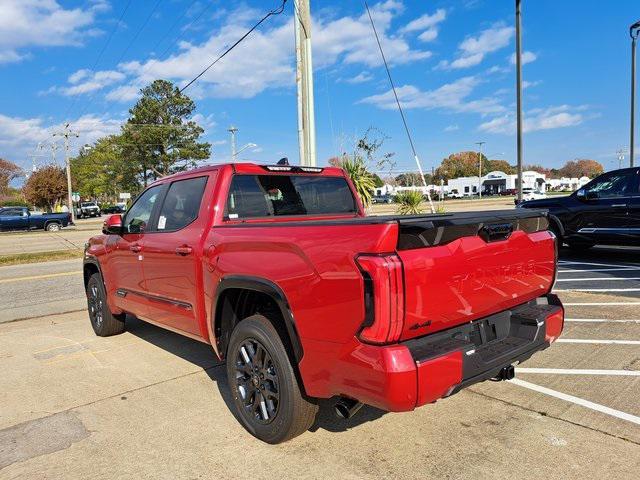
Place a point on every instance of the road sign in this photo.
(75, 196)
(125, 196)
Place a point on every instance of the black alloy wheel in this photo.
(257, 381)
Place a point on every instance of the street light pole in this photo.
(480, 168)
(66, 133)
(519, 98)
(233, 130)
(634, 30)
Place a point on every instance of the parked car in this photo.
(383, 199)
(116, 208)
(279, 269)
(454, 193)
(604, 211)
(530, 194)
(89, 209)
(508, 192)
(20, 218)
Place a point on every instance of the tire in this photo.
(52, 227)
(581, 247)
(267, 398)
(104, 323)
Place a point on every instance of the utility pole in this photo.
(519, 98)
(634, 30)
(66, 133)
(620, 154)
(234, 153)
(304, 83)
(480, 168)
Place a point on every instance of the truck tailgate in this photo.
(462, 267)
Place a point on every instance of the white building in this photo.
(496, 182)
(566, 183)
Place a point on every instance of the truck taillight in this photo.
(383, 298)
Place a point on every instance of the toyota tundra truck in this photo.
(305, 297)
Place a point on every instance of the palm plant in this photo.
(361, 178)
(409, 202)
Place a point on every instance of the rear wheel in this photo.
(52, 227)
(581, 247)
(104, 323)
(265, 390)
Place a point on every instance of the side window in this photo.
(247, 198)
(181, 204)
(614, 185)
(138, 215)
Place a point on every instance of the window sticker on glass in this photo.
(162, 222)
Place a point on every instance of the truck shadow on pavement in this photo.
(203, 356)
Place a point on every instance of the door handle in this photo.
(619, 205)
(184, 250)
(135, 248)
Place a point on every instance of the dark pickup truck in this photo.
(20, 218)
(278, 268)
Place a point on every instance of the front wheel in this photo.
(104, 322)
(267, 398)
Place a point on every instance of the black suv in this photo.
(604, 211)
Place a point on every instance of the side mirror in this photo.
(585, 195)
(112, 225)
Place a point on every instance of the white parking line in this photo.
(578, 401)
(597, 290)
(577, 371)
(598, 342)
(619, 269)
(596, 279)
(566, 262)
(599, 320)
(602, 320)
(598, 304)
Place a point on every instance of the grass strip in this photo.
(22, 258)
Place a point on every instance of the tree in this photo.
(537, 168)
(411, 179)
(581, 168)
(8, 172)
(361, 178)
(160, 137)
(45, 187)
(462, 164)
(501, 166)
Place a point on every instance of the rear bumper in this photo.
(410, 374)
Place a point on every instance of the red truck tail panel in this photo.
(469, 278)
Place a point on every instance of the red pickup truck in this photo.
(278, 268)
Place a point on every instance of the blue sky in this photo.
(450, 59)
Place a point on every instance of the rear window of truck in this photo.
(255, 196)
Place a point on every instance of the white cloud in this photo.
(451, 96)
(527, 57)
(527, 84)
(451, 128)
(537, 119)
(42, 23)
(428, 24)
(362, 77)
(472, 50)
(85, 81)
(266, 58)
(19, 136)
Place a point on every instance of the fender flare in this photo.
(556, 221)
(269, 288)
(91, 260)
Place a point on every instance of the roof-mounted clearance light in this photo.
(288, 168)
(278, 168)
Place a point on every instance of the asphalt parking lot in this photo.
(152, 404)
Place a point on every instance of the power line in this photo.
(277, 11)
(395, 94)
(184, 29)
(128, 47)
(103, 49)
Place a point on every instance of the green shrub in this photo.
(409, 202)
